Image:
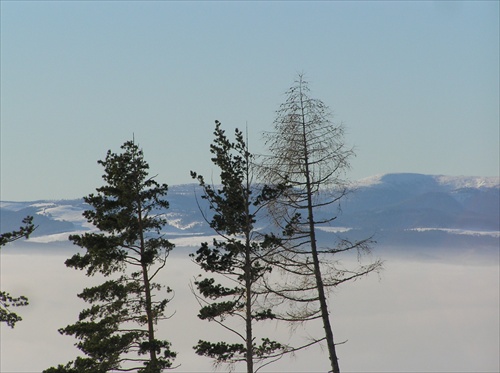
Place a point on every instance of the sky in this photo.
(416, 84)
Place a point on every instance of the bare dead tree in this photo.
(308, 152)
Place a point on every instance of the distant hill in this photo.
(401, 210)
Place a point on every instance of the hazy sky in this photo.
(416, 84)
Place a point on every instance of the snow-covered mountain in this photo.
(400, 210)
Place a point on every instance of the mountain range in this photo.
(401, 210)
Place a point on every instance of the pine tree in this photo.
(23, 232)
(238, 255)
(118, 331)
(7, 300)
(308, 151)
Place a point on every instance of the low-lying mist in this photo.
(424, 315)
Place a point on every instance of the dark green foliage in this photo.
(220, 351)
(267, 347)
(209, 289)
(264, 314)
(117, 332)
(23, 232)
(7, 300)
(239, 254)
(80, 365)
(220, 309)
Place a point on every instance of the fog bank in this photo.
(419, 316)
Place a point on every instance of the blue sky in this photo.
(415, 83)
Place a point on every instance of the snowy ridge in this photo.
(63, 212)
(448, 182)
(459, 231)
(177, 220)
(57, 237)
(399, 209)
(458, 182)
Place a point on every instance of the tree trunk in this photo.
(314, 251)
(324, 306)
(248, 280)
(248, 305)
(147, 293)
(150, 316)
(321, 291)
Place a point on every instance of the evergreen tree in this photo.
(7, 300)
(23, 232)
(308, 151)
(238, 255)
(118, 331)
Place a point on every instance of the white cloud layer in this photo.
(418, 317)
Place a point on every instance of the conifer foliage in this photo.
(6, 300)
(117, 332)
(24, 231)
(236, 258)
